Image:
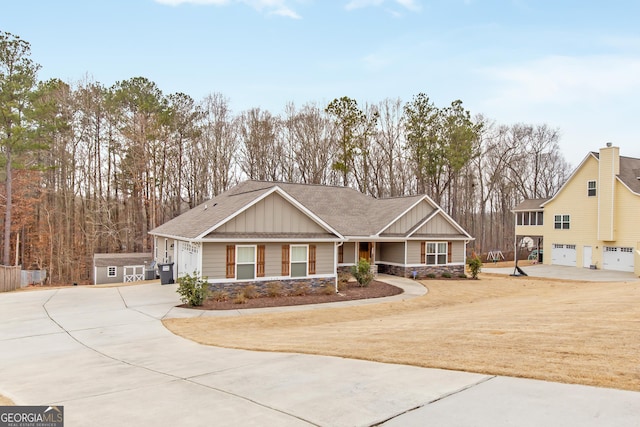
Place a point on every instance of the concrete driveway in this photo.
(566, 273)
(104, 354)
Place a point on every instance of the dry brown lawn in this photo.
(5, 401)
(572, 332)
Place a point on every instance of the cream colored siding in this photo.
(274, 214)
(606, 195)
(214, 260)
(413, 252)
(574, 201)
(349, 253)
(410, 219)
(390, 252)
(437, 225)
(627, 228)
(457, 252)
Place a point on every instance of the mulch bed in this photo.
(352, 292)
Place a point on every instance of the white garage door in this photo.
(562, 254)
(617, 258)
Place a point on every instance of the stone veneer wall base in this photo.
(421, 272)
(288, 285)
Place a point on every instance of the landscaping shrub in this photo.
(362, 272)
(274, 289)
(193, 290)
(300, 288)
(475, 266)
(342, 286)
(250, 291)
(327, 289)
(240, 298)
(343, 278)
(219, 295)
(431, 275)
(446, 275)
(462, 276)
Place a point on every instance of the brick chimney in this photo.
(609, 168)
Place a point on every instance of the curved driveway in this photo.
(104, 354)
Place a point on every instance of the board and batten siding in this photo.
(214, 258)
(390, 252)
(410, 219)
(438, 225)
(274, 214)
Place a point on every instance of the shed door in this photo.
(133, 273)
(617, 258)
(562, 254)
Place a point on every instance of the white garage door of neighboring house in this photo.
(562, 254)
(617, 258)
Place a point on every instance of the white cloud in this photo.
(564, 79)
(359, 4)
(271, 7)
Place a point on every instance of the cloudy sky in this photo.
(573, 65)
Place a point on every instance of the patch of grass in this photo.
(477, 326)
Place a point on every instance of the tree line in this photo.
(91, 169)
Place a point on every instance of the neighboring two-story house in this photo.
(592, 221)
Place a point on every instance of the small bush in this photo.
(193, 290)
(327, 289)
(362, 272)
(431, 275)
(475, 266)
(219, 295)
(250, 291)
(446, 275)
(300, 288)
(462, 276)
(240, 298)
(343, 278)
(274, 289)
(342, 286)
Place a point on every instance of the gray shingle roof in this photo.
(530, 205)
(344, 209)
(120, 260)
(630, 172)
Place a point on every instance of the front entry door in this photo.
(364, 251)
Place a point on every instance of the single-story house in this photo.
(258, 232)
(119, 268)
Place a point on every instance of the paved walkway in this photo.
(104, 354)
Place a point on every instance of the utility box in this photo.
(166, 273)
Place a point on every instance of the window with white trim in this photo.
(245, 262)
(299, 260)
(436, 253)
(591, 188)
(561, 222)
(112, 271)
